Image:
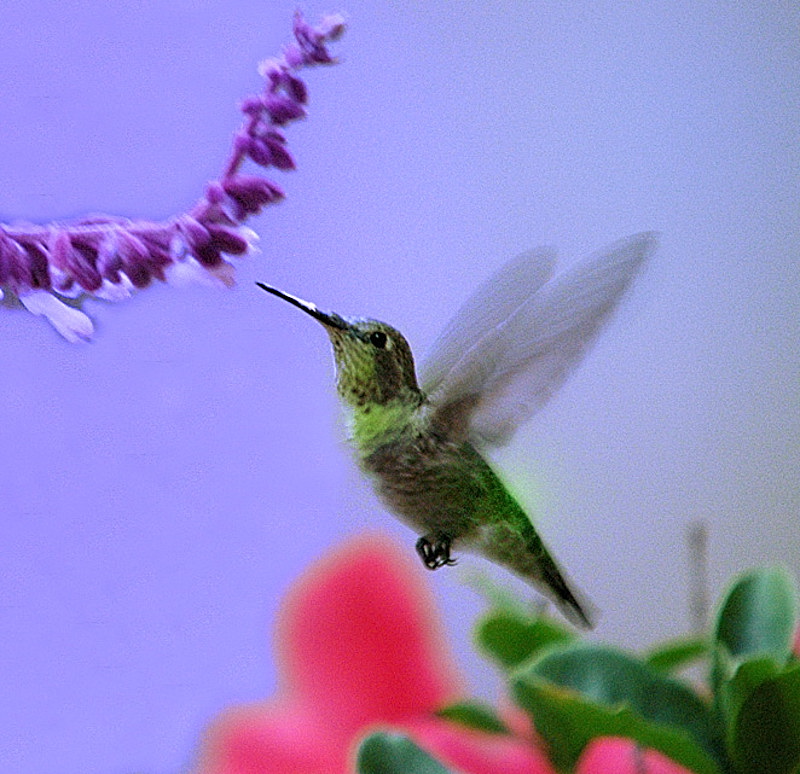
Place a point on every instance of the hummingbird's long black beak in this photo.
(331, 319)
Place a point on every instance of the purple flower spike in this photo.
(109, 257)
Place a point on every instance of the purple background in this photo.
(162, 486)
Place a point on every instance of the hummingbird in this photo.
(421, 440)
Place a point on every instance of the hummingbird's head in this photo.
(374, 364)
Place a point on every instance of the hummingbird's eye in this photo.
(378, 339)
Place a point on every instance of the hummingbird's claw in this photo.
(437, 554)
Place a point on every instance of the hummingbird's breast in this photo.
(430, 483)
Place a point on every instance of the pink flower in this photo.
(109, 258)
(359, 649)
(615, 755)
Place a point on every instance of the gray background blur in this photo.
(162, 486)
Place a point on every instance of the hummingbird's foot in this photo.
(437, 554)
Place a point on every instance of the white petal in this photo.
(109, 291)
(267, 65)
(178, 249)
(191, 272)
(252, 238)
(71, 323)
(60, 280)
(224, 274)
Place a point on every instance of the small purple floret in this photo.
(109, 262)
(312, 40)
(282, 109)
(109, 256)
(257, 150)
(227, 240)
(296, 88)
(276, 143)
(251, 193)
(37, 263)
(194, 233)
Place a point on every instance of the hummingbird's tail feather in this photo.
(519, 548)
(580, 613)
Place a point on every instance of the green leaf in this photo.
(474, 715)
(756, 620)
(765, 738)
(676, 654)
(569, 721)
(758, 614)
(741, 683)
(510, 637)
(386, 753)
(609, 677)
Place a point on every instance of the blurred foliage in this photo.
(474, 715)
(390, 753)
(745, 719)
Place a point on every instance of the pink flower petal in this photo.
(270, 739)
(359, 640)
(358, 648)
(616, 755)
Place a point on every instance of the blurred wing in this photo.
(460, 359)
(500, 365)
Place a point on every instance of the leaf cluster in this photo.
(743, 719)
